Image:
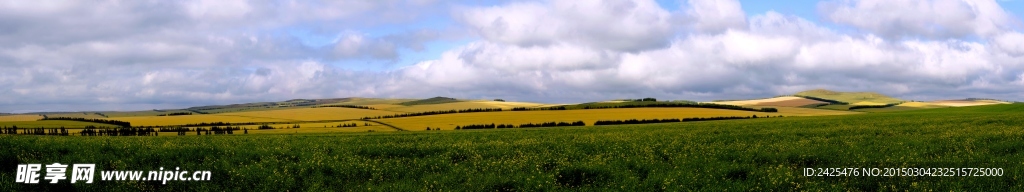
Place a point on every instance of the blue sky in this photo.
(806, 9)
(114, 55)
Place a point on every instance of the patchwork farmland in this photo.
(400, 144)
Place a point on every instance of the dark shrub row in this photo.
(824, 100)
(349, 106)
(34, 131)
(526, 125)
(635, 121)
(176, 114)
(123, 131)
(104, 121)
(872, 106)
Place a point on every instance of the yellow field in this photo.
(312, 114)
(20, 118)
(800, 111)
(920, 105)
(456, 106)
(284, 115)
(449, 121)
(756, 101)
(189, 119)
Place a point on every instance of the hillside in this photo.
(435, 100)
(855, 98)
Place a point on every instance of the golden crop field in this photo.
(920, 105)
(77, 115)
(284, 115)
(5, 118)
(312, 114)
(456, 106)
(189, 119)
(50, 124)
(449, 121)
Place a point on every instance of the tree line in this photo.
(215, 130)
(348, 106)
(351, 125)
(176, 114)
(824, 100)
(688, 119)
(103, 121)
(539, 109)
(436, 113)
(525, 125)
(634, 121)
(122, 131)
(662, 104)
(644, 99)
(872, 106)
(691, 105)
(35, 131)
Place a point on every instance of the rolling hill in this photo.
(435, 100)
(853, 98)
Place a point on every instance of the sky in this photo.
(139, 55)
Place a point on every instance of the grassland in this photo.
(737, 155)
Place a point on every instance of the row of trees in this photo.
(644, 99)
(661, 104)
(872, 106)
(122, 131)
(688, 119)
(101, 114)
(349, 125)
(634, 121)
(35, 131)
(176, 114)
(349, 106)
(526, 125)
(824, 100)
(103, 121)
(692, 105)
(436, 113)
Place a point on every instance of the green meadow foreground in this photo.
(750, 154)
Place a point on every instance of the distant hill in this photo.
(853, 98)
(435, 100)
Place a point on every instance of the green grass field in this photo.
(748, 155)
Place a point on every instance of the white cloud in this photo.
(1011, 43)
(190, 53)
(910, 18)
(620, 25)
(714, 16)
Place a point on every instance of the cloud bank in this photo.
(66, 56)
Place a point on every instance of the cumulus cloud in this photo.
(930, 19)
(714, 16)
(620, 25)
(127, 56)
